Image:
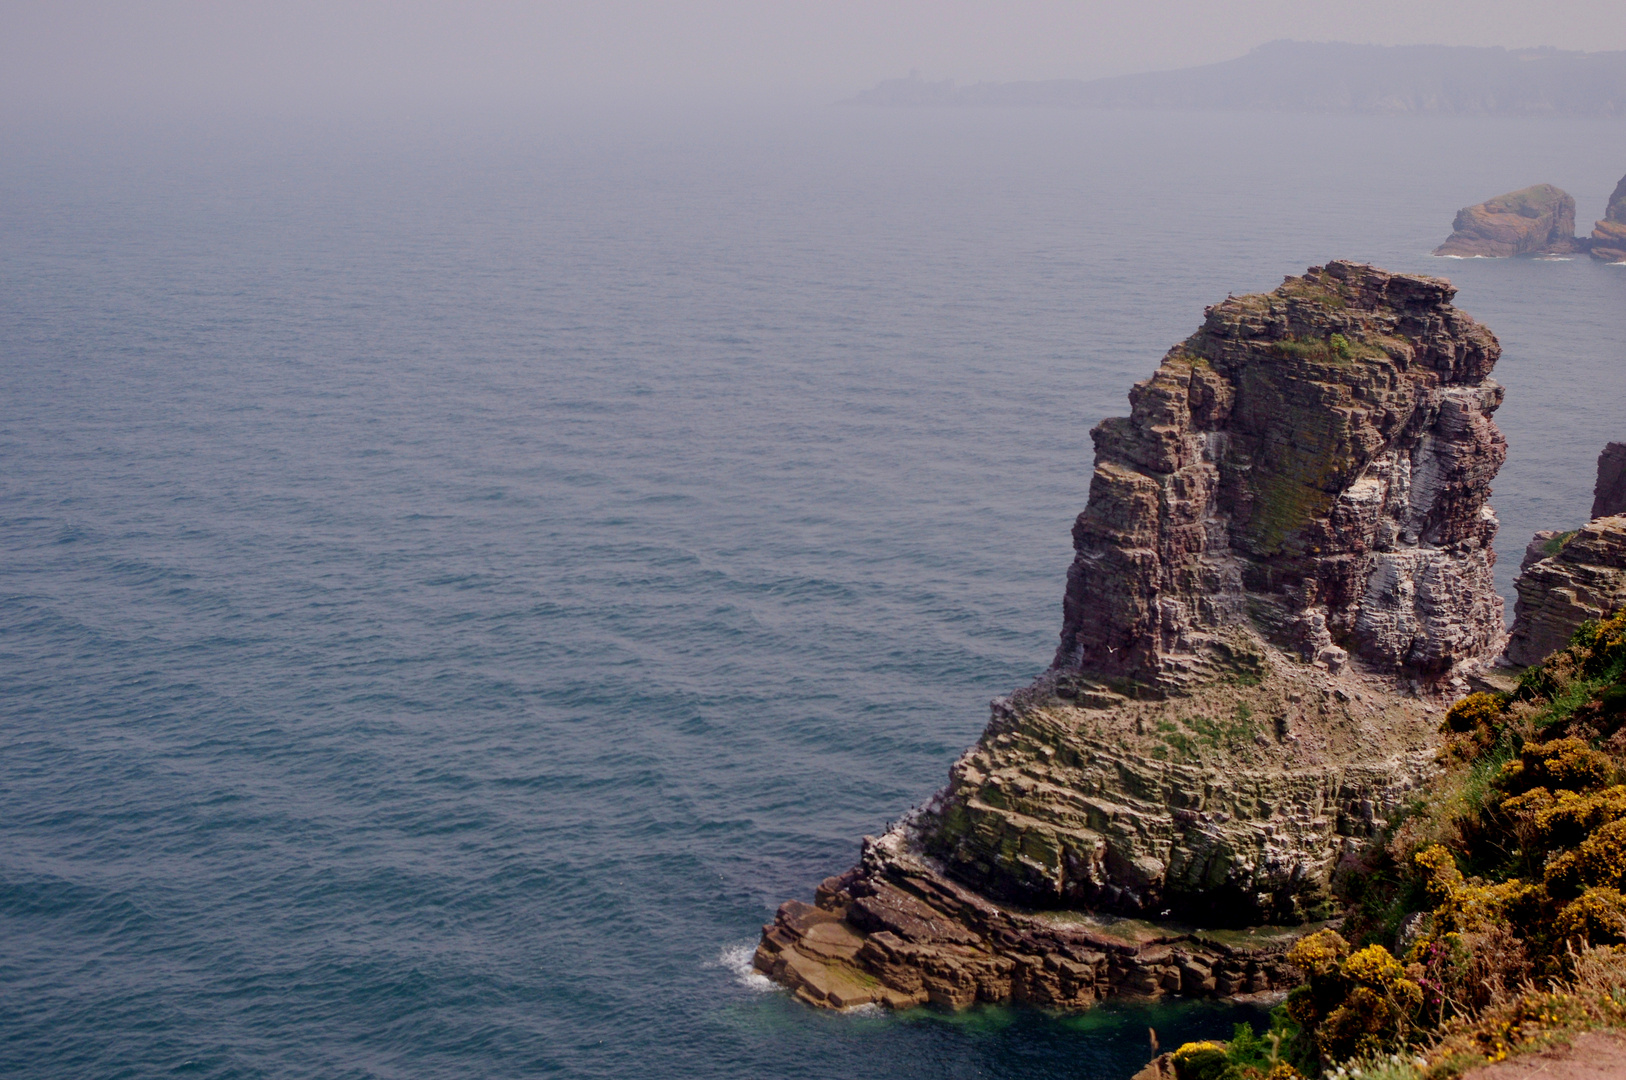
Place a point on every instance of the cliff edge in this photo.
(1283, 568)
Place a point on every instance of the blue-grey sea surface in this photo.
(457, 579)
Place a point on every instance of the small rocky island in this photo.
(1283, 572)
(1535, 221)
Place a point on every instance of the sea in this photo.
(459, 575)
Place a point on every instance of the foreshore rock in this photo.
(1568, 578)
(1609, 235)
(1537, 220)
(897, 931)
(1282, 573)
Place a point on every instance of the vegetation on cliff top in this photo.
(1493, 918)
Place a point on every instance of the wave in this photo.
(737, 959)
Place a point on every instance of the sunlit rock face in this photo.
(1313, 463)
(1537, 220)
(1568, 578)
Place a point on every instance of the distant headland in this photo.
(1320, 77)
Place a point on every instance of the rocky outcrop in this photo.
(1283, 570)
(1582, 577)
(1312, 464)
(1609, 235)
(1537, 220)
(897, 931)
(1568, 578)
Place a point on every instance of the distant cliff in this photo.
(1322, 77)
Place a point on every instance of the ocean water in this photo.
(457, 579)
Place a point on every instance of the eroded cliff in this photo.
(1283, 568)
(1538, 220)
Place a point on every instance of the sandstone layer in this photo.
(1568, 578)
(1537, 220)
(1609, 235)
(1282, 572)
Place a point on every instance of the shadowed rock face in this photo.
(1609, 235)
(1537, 220)
(1609, 490)
(1283, 566)
(1313, 463)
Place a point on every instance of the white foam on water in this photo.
(737, 959)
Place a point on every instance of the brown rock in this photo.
(1584, 579)
(1537, 220)
(1312, 463)
(1609, 235)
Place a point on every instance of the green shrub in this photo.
(1200, 1061)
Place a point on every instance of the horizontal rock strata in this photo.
(1583, 579)
(1282, 573)
(1537, 220)
(898, 931)
(1568, 578)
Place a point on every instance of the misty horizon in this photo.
(185, 58)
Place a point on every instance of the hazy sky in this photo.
(294, 56)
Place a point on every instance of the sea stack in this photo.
(1537, 220)
(1283, 570)
(1609, 235)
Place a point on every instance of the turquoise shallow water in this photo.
(455, 582)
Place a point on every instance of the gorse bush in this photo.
(1350, 1005)
(1506, 880)
(1245, 1057)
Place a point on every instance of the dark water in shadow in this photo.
(454, 584)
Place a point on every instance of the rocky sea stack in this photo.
(1283, 569)
(1537, 220)
(1609, 235)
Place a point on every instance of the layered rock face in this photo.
(1537, 220)
(1312, 463)
(1572, 577)
(1283, 569)
(1609, 235)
